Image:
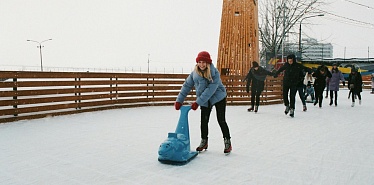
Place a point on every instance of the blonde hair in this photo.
(205, 74)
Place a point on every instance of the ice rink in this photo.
(331, 145)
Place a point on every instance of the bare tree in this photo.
(278, 17)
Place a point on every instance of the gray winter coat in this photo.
(335, 79)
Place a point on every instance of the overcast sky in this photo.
(347, 24)
(124, 33)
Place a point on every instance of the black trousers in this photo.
(255, 97)
(318, 91)
(221, 118)
(355, 93)
(332, 96)
(292, 89)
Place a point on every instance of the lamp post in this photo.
(40, 51)
(148, 63)
(300, 50)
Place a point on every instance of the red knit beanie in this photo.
(204, 56)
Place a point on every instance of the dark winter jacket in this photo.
(335, 79)
(356, 81)
(320, 81)
(294, 73)
(257, 77)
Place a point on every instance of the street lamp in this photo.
(40, 50)
(300, 50)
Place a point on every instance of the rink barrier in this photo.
(32, 95)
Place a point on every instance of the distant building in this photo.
(312, 49)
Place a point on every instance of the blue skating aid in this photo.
(175, 149)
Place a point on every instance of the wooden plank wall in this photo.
(238, 42)
(30, 95)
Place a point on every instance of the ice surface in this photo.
(332, 145)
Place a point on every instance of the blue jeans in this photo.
(300, 89)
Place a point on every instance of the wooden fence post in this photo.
(15, 97)
(77, 88)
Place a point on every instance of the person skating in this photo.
(301, 87)
(257, 76)
(320, 83)
(355, 85)
(334, 82)
(290, 80)
(209, 92)
(309, 91)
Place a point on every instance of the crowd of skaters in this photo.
(306, 82)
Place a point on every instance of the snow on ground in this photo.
(332, 145)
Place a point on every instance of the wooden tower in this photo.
(238, 41)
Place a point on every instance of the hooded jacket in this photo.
(292, 73)
(356, 80)
(257, 77)
(320, 81)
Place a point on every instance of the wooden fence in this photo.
(31, 95)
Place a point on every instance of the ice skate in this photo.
(228, 147)
(287, 110)
(359, 102)
(256, 108)
(203, 145)
(330, 102)
(353, 104)
(250, 109)
(292, 112)
(304, 108)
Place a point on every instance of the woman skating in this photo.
(209, 92)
